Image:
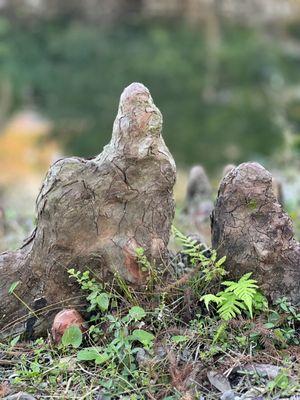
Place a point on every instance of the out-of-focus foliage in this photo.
(74, 73)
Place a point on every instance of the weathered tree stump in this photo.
(94, 214)
(199, 203)
(250, 227)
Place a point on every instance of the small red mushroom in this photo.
(63, 320)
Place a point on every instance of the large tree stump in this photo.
(250, 227)
(94, 214)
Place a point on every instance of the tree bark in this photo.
(250, 227)
(94, 214)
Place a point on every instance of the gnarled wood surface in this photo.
(94, 213)
(250, 227)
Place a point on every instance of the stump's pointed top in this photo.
(134, 90)
(196, 171)
(252, 171)
(198, 184)
(249, 179)
(136, 98)
(138, 117)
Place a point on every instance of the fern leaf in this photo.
(230, 309)
(244, 289)
(220, 331)
(207, 298)
(221, 261)
(245, 277)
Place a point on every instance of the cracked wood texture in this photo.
(94, 214)
(250, 227)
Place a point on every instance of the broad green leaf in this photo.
(88, 354)
(137, 313)
(102, 358)
(92, 296)
(103, 301)
(269, 325)
(92, 354)
(281, 381)
(146, 338)
(72, 337)
(180, 338)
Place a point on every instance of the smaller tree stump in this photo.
(250, 227)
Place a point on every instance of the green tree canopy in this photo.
(74, 73)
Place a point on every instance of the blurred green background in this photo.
(226, 79)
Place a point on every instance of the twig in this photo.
(8, 362)
(90, 392)
(183, 280)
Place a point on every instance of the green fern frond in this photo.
(245, 290)
(208, 298)
(237, 297)
(230, 307)
(190, 246)
(193, 249)
(220, 262)
(220, 332)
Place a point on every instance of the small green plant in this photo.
(284, 305)
(117, 355)
(98, 298)
(280, 382)
(116, 338)
(142, 259)
(147, 267)
(118, 358)
(191, 247)
(237, 297)
(201, 257)
(72, 337)
(252, 204)
(283, 321)
(42, 364)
